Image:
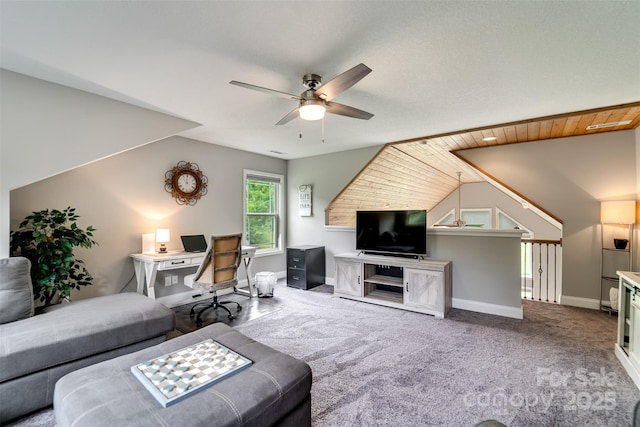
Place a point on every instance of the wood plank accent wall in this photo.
(419, 173)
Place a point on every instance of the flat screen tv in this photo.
(392, 232)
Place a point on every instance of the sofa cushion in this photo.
(16, 293)
(80, 329)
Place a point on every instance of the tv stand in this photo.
(419, 285)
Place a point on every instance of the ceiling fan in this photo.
(316, 100)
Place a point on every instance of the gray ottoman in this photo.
(275, 390)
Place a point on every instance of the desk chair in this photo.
(218, 270)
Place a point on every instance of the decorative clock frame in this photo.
(186, 183)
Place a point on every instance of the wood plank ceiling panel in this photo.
(442, 160)
(419, 173)
(393, 180)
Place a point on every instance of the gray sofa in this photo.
(36, 351)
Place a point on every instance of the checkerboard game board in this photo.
(175, 376)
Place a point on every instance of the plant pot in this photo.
(620, 243)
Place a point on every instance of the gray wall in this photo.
(123, 197)
(569, 177)
(328, 175)
(48, 128)
(484, 195)
(486, 269)
(477, 283)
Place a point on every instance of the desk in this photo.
(146, 267)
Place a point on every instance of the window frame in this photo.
(279, 214)
(452, 212)
(483, 210)
(528, 234)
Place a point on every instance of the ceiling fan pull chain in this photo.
(300, 124)
(323, 130)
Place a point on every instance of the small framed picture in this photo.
(304, 204)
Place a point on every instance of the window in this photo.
(505, 222)
(472, 217)
(263, 207)
(476, 217)
(446, 220)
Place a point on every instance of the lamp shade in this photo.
(312, 109)
(618, 212)
(162, 235)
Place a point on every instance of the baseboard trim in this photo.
(593, 304)
(484, 307)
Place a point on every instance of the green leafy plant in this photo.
(47, 238)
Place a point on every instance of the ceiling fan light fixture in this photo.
(608, 125)
(312, 109)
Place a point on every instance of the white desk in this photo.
(147, 265)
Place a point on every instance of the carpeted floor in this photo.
(376, 366)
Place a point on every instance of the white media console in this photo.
(420, 285)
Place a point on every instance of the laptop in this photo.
(195, 243)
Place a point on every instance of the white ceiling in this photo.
(437, 66)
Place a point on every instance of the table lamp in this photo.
(162, 237)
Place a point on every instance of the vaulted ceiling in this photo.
(438, 66)
(421, 172)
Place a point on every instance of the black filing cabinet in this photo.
(305, 266)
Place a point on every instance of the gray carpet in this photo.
(376, 366)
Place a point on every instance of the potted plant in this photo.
(47, 238)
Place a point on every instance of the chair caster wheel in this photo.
(231, 317)
(239, 308)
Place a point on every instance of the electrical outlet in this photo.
(174, 279)
(167, 281)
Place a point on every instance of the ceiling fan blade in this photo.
(292, 115)
(342, 82)
(265, 90)
(345, 110)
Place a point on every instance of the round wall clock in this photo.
(186, 183)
